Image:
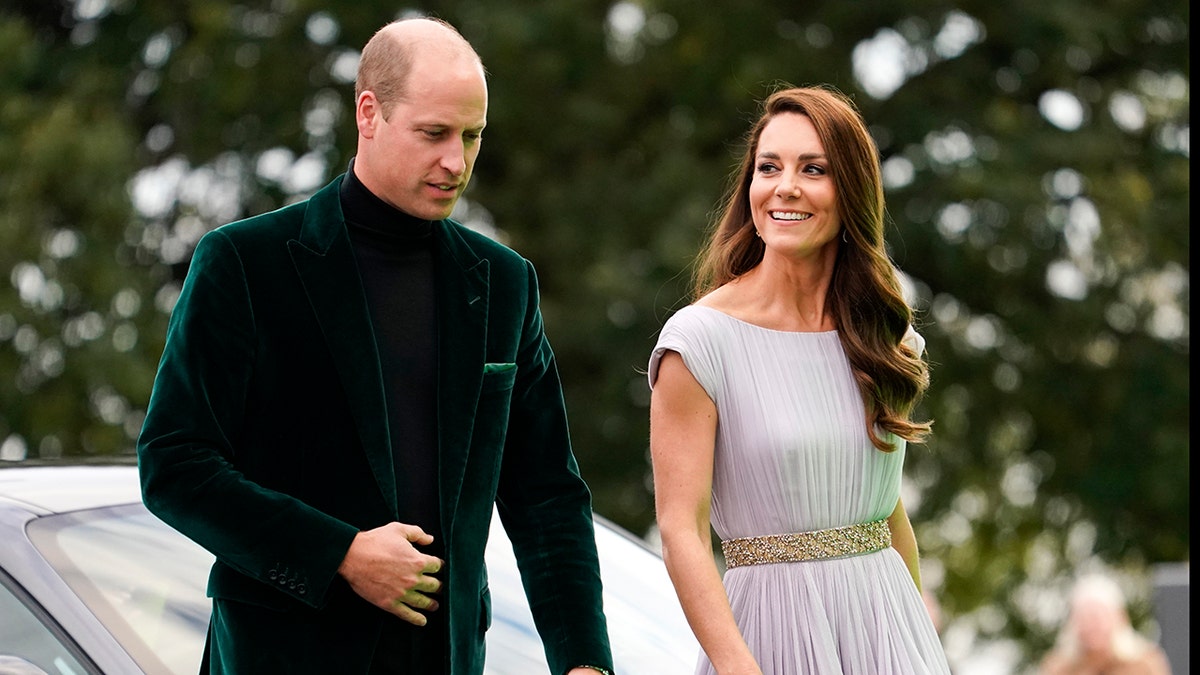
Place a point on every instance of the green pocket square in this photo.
(498, 367)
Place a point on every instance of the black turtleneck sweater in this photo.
(395, 260)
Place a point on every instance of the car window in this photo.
(142, 580)
(25, 639)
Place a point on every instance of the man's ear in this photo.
(368, 113)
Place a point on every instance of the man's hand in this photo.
(385, 568)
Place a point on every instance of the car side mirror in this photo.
(15, 665)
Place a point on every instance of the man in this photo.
(350, 384)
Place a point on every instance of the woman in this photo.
(780, 414)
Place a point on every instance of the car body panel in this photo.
(59, 520)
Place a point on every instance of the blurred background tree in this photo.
(1036, 158)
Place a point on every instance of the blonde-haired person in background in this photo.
(1098, 639)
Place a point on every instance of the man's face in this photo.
(419, 159)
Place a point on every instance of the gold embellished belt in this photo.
(816, 545)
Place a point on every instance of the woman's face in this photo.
(1096, 623)
(793, 200)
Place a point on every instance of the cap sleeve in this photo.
(687, 334)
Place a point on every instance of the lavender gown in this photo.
(792, 455)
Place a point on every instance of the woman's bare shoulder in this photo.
(724, 298)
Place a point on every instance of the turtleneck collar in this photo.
(367, 214)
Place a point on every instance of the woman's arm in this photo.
(683, 427)
(904, 540)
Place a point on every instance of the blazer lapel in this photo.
(461, 282)
(324, 259)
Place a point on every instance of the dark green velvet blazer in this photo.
(266, 442)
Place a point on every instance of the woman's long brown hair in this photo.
(865, 298)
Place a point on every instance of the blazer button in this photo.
(272, 574)
(301, 589)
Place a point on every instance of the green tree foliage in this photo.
(1036, 155)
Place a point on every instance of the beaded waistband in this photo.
(834, 542)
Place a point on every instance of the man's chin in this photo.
(439, 212)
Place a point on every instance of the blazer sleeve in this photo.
(546, 508)
(188, 449)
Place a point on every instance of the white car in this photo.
(91, 582)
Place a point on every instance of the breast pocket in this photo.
(498, 377)
(492, 408)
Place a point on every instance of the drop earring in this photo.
(844, 238)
